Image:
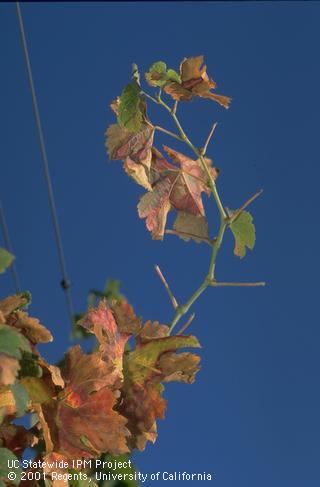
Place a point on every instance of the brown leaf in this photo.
(134, 149)
(142, 407)
(31, 327)
(145, 369)
(180, 367)
(189, 226)
(111, 335)
(152, 330)
(52, 372)
(9, 367)
(93, 427)
(174, 186)
(11, 303)
(126, 319)
(86, 430)
(82, 422)
(195, 82)
(85, 374)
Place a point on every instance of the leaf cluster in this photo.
(106, 402)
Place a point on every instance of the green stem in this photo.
(182, 310)
(198, 153)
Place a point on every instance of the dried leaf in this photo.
(126, 319)
(82, 422)
(195, 226)
(13, 303)
(111, 334)
(155, 206)
(141, 401)
(85, 374)
(134, 149)
(93, 420)
(152, 330)
(31, 327)
(180, 367)
(174, 186)
(195, 82)
(244, 233)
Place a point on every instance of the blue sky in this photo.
(252, 417)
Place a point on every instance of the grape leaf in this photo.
(159, 76)
(134, 149)
(244, 233)
(84, 374)
(180, 367)
(112, 335)
(12, 343)
(151, 330)
(93, 427)
(191, 226)
(13, 303)
(144, 370)
(83, 422)
(6, 259)
(131, 108)
(194, 82)
(174, 186)
(30, 327)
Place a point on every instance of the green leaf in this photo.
(130, 114)
(143, 360)
(6, 259)
(12, 342)
(159, 76)
(244, 233)
(21, 398)
(29, 366)
(7, 456)
(172, 75)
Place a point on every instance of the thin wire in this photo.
(7, 242)
(65, 282)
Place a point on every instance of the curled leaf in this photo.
(134, 149)
(14, 303)
(131, 108)
(31, 327)
(144, 371)
(158, 75)
(195, 82)
(152, 330)
(173, 186)
(112, 335)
